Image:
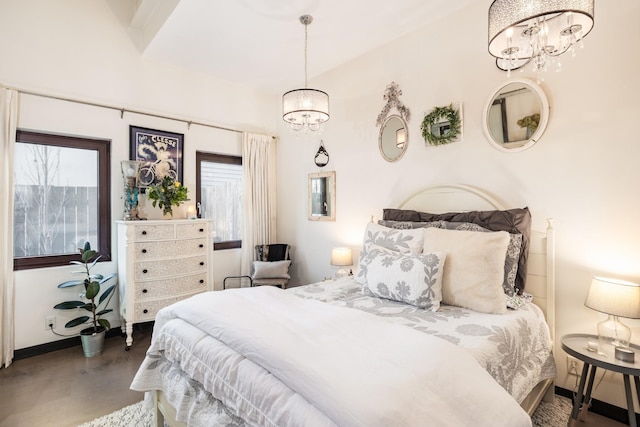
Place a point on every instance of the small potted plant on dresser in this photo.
(92, 337)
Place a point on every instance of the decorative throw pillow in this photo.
(513, 252)
(474, 271)
(409, 225)
(396, 240)
(402, 241)
(271, 269)
(414, 279)
(511, 220)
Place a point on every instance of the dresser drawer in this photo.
(196, 229)
(167, 287)
(147, 270)
(153, 232)
(147, 310)
(167, 249)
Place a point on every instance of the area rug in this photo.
(554, 414)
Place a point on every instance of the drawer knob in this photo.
(201, 245)
(144, 251)
(144, 271)
(144, 232)
(202, 230)
(201, 280)
(201, 262)
(145, 311)
(144, 291)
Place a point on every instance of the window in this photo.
(62, 199)
(219, 192)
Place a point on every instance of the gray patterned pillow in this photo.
(410, 225)
(414, 279)
(387, 239)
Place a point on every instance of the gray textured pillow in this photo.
(414, 279)
(511, 220)
(271, 269)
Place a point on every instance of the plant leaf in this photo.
(104, 323)
(77, 321)
(88, 306)
(92, 290)
(105, 311)
(105, 278)
(87, 246)
(70, 283)
(106, 293)
(87, 255)
(68, 305)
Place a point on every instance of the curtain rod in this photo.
(123, 110)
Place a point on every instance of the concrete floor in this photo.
(65, 389)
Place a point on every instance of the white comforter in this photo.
(277, 359)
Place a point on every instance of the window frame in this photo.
(103, 149)
(215, 158)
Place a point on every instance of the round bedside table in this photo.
(576, 346)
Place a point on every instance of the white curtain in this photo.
(8, 123)
(259, 195)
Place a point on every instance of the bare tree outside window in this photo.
(56, 202)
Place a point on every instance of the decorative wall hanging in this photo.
(394, 135)
(391, 95)
(159, 153)
(322, 156)
(442, 125)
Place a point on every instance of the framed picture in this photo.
(159, 152)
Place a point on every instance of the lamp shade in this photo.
(341, 257)
(305, 107)
(129, 168)
(615, 297)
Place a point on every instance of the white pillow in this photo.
(271, 269)
(414, 279)
(389, 239)
(474, 268)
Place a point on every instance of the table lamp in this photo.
(616, 298)
(341, 257)
(130, 170)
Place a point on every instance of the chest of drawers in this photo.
(159, 263)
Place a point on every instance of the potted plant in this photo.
(92, 337)
(168, 193)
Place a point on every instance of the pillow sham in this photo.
(403, 241)
(394, 239)
(414, 279)
(474, 269)
(511, 260)
(271, 269)
(510, 220)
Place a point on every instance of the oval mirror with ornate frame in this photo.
(393, 138)
(516, 115)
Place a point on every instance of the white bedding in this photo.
(273, 358)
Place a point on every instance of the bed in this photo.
(358, 352)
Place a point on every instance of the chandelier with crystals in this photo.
(537, 32)
(305, 109)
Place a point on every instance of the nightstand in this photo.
(576, 346)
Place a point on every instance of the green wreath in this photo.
(440, 115)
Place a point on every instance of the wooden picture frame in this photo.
(160, 154)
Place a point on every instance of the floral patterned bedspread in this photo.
(515, 348)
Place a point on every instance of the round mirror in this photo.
(516, 115)
(393, 138)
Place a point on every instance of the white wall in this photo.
(78, 49)
(583, 173)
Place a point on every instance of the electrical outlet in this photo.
(574, 366)
(49, 322)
